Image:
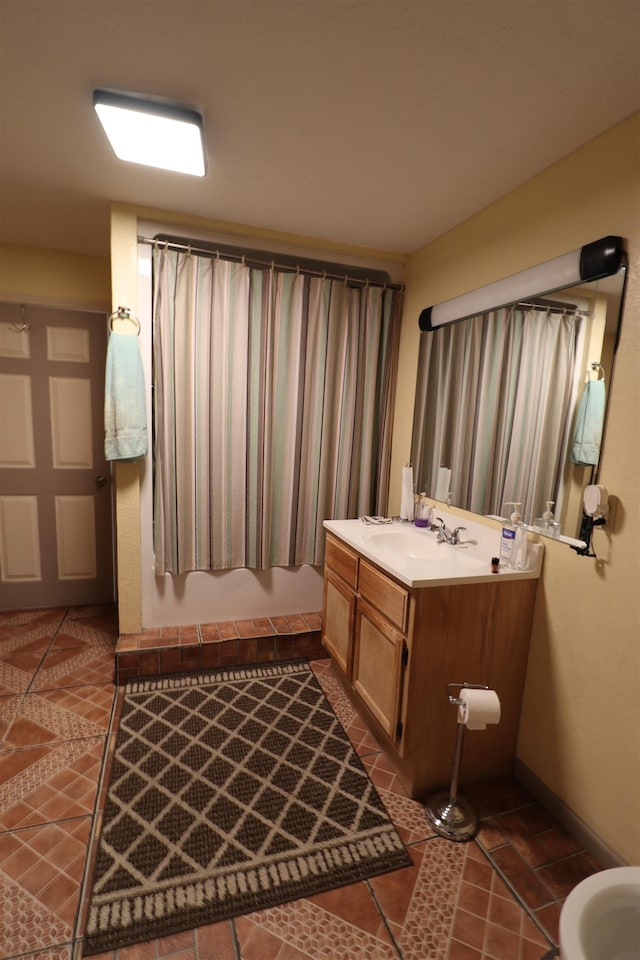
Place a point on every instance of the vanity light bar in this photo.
(602, 258)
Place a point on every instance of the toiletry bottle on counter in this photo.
(508, 537)
(520, 547)
(422, 511)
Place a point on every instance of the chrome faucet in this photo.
(444, 536)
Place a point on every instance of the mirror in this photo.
(498, 398)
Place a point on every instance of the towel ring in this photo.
(23, 326)
(124, 313)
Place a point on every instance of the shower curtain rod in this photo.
(555, 306)
(233, 254)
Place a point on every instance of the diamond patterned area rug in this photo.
(230, 792)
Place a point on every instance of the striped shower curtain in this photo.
(494, 403)
(273, 394)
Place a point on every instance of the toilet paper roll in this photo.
(478, 708)
(406, 497)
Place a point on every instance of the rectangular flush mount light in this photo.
(602, 258)
(152, 132)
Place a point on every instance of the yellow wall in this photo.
(54, 278)
(124, 292)
(580, 727)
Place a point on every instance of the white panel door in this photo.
(55, 491)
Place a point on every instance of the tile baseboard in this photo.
(566, 817)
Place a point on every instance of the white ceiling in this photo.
(382, 123)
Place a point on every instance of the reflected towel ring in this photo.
(22, 327)
(124, 313)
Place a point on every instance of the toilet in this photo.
(600, 919)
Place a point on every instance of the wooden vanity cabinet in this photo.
(397, 648)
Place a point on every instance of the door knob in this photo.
(101, 481)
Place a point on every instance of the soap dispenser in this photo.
(547, 523)
(519, 557)
(512, 536)
(421, 518)
(552, 527)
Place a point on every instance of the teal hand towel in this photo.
(125, 415)
(589, 424)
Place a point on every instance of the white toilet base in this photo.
(600, 919)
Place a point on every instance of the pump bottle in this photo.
(513, 542)
(551, 525)
(520, 547)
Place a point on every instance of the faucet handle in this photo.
(442, 530)
(455, 536)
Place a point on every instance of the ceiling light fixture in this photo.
(602, 258)
(152, 132)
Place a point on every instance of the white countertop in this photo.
(413, 555)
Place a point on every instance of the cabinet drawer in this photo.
(340, 559)
(388, 597)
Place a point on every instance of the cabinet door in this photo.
(337, 620)
(378, 666)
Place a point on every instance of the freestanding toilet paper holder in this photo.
(450, 815)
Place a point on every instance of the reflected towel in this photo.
(589, 424)
(125, 416)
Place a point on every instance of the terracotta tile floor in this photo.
(496, 898)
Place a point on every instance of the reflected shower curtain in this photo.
(273, 396)
(493, 402)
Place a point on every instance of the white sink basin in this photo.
(420, 547)
(417, 546)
